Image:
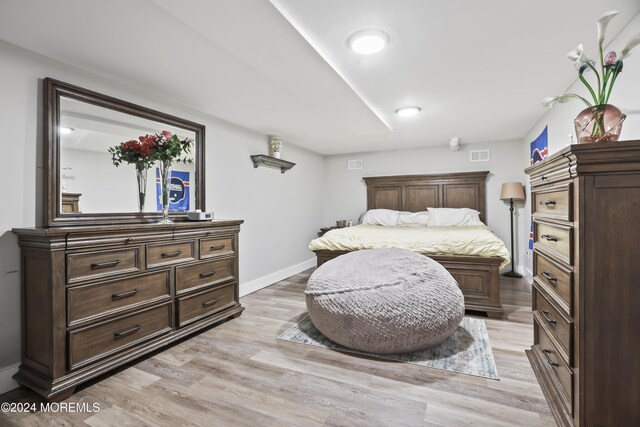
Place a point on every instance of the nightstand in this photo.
(325, 229)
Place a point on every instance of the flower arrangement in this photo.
(133, 151)
(148, 149)
(609, 67)
(168, 147)
(163, 147)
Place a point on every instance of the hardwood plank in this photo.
(240, 374)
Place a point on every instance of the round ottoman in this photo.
(384, 301)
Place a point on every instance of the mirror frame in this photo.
(53, 215)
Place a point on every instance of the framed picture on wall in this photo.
(540, 147)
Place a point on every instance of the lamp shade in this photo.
(512, 190)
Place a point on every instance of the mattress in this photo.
(474, 240)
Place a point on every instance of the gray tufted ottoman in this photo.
(384, 301)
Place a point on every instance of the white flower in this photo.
(577, 55)
(602, 25)
(635, 41)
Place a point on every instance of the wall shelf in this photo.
(264, 160)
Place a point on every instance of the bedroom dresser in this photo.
(586, 286)
(97, 297)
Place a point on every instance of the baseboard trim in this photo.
(276, 276)
(528, 274)
(6, 378)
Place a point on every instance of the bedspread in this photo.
(474, 241)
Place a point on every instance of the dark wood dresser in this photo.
(586, 286)
(96, 297)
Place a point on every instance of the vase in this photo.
(141, 178)
(165, 181)
(601, 123)
(275, 154)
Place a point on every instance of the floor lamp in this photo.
(513, 192)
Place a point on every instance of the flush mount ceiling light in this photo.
(368, 42)
(408, 111)
(66, 130)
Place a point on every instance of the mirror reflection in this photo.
(89, 180)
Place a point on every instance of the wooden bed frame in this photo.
(478, 277)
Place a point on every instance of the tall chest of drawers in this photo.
(586, 286)
(94, 298)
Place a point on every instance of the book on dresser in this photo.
(586, 295)
(96, 297)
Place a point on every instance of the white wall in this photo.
(625, 95)
(345, 192)
(281, 211)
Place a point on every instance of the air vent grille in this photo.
(479, 155)
(354, 164)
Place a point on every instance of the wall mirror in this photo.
(83, 186)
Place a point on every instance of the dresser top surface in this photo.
(124, 228)
(601, 157)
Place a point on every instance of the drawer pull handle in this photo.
(125, 294)
(546, 356)
(544, 178)
(549, 277)
(216, 247)
(127, 332)
(548, 202)
(549, 237)
(129, 240)
(210, 233)
(99, 265)
(170, 254)
(545, 314)
(207, 274)
(210, 302)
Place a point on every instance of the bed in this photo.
(476, 274)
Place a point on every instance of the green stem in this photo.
(604, 84)
(601, 64)
(613, 80)
(586, 83)
(573, 95)
(597, 76)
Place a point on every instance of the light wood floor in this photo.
(238, 374)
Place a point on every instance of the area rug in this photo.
(467, 351)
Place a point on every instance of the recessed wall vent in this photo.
(354, 164)
(479, 155)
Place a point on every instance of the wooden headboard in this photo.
(416, 193)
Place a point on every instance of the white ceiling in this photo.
(477, 68)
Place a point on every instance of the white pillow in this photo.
(444, 217)
(413, 219)
(381, 217)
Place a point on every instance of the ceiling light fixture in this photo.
(368, 42)
(408, 111)
(66, 130)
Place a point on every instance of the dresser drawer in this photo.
(101, 340)
(203, 274)
(560, 327)
(557, 279)
(555, 363)
(87, 302)
(170, 253)
(194, 307)
(215, 247)
(553, 202)
(90, 265)
(555, 240)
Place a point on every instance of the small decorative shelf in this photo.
(264, 160)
